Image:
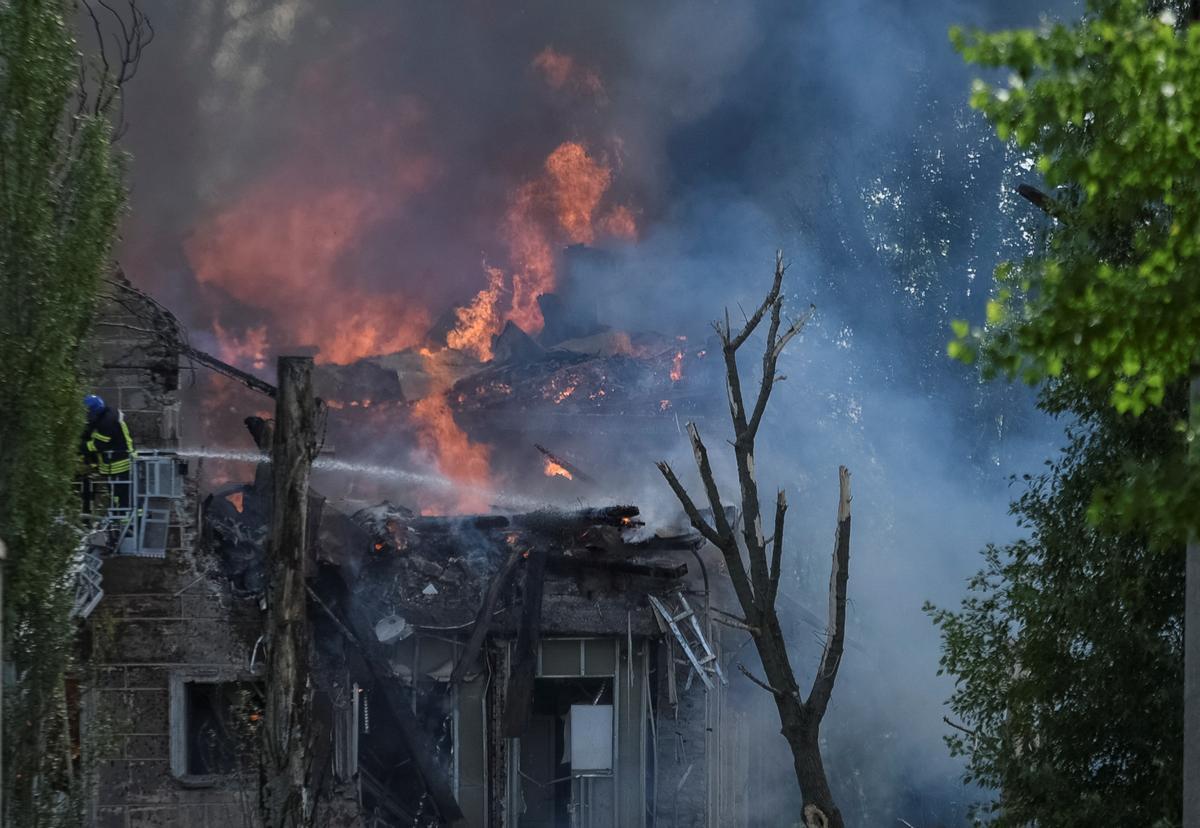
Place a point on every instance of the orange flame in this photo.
(559, 206)
(577, 182)
(677, 366)
(532, 256)
(571, 188)
(479, 321)
(619, 223)
(555, 470)
(280, 247)
(248, 350)
(456, 456)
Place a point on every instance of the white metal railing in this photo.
(128, 516)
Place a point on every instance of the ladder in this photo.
(88, 577)
(139, 527)
(689, 635)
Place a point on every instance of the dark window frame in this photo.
(179, 723)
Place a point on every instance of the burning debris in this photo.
(555, 466)
(455, 414)
(422, 604)
(439, 643)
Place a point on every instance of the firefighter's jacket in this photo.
(106, 444)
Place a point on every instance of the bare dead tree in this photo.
(122, 34)
(755, 577)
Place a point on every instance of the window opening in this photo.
(215, 728)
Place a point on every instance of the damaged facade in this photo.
(537, 667)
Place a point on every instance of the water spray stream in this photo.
(436, 481)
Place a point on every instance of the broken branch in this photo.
(831, 656)
(957, 726)
(771, 356)
(1041, 200)
(689, 506)
(733, 621)
(733, 343)
(760, 682)
(710, 483)
(776, 549)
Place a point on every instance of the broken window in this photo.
(214, 725)
(568, 746)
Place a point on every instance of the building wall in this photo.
(158, 616)
(683, 746)
(172, 617)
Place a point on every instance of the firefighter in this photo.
(107, 451)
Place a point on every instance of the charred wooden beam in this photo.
(249, 380)
(570, 564)
(553, 521)
(358, 627)
(483, 620)
(433, 524)
(524, 667)
(671, 543)
(571, 468)
(420, 746)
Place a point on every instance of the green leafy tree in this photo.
(1109, 111)
(1068, 649)
(60, 197)
(1109, 311)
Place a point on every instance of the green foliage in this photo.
(60, 197)
(1067, 652)
(1110, 112)
(1107, 112)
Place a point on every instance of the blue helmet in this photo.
(93, 404)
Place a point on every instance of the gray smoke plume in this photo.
(837, 132)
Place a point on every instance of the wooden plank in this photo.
(564, 565)
(524, 667)
(483, 620)
(357, 624)
(437, 782)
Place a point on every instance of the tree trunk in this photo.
(800, 726)
(1191, 638)
(804, 739)
(285, 798)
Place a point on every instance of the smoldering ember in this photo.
(590, 415)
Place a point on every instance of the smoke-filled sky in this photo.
(345, 175)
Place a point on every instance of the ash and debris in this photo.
(433, 570)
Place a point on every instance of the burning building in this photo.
(521, 665)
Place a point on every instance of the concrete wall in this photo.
(135, 370)
(157, 616)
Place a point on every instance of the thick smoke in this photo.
(364, 157)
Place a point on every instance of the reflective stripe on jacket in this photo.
(107, 443)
